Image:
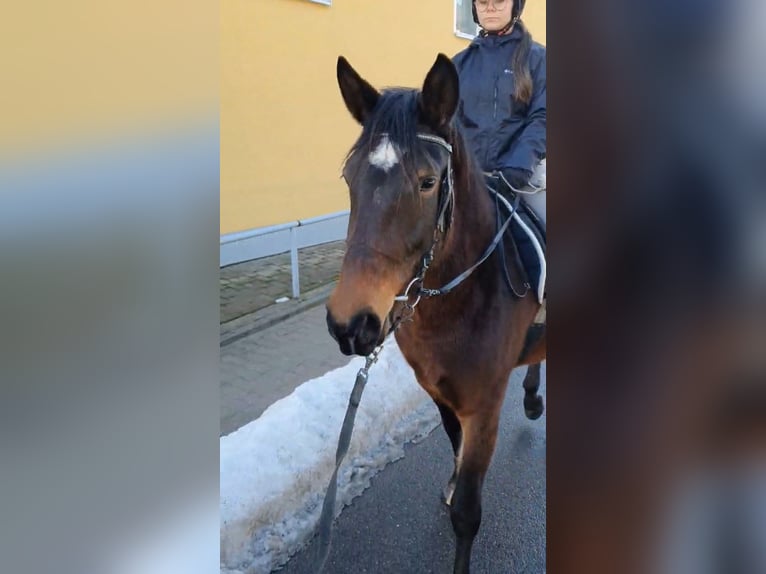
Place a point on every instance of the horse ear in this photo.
(360, 97)
(441, 93)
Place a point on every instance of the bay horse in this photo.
(421, 216)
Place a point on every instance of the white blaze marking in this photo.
(384, 156)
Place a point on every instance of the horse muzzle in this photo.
(359, 336)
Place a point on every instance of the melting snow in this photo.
(275, 470)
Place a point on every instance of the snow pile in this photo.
(275, 470)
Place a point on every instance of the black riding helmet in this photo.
(518, 7)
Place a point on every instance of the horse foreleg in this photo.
(452, 426)
(533, 402)
(479, 436)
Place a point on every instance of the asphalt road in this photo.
(400, 526)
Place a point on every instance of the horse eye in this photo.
(427, 184)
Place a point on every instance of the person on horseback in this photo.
(502, 87)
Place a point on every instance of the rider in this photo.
(502, 88)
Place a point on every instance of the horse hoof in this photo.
(533, 407)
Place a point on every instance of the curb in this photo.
(246, 325)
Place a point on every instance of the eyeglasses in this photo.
(483, 5)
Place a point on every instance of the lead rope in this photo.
(328, 507)
(408, 311)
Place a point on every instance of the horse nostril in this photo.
(358, 337)
(365, 329)
(332, 326)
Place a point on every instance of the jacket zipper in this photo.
(494, 117)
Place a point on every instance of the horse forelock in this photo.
(396, 119)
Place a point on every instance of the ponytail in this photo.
(522, 91)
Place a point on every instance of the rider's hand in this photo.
(517, 178)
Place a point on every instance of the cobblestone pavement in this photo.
(266, 366)
(253, 285)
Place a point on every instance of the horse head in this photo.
(396, 178)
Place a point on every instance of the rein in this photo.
(344, 440)
(441, 229)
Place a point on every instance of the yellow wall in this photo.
(284, 127)
(85, 69)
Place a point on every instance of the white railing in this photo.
(276, 239)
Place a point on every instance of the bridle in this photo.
(447, 187)
(415, 290)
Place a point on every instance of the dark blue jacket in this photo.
(501, 132)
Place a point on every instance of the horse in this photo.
(421, 217)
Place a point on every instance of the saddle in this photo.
(529, 235)
(525, 238)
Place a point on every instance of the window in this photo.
(465, 27)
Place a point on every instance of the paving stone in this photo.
(252, 285)
(264, 363)
(268, 365)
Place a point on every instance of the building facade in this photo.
(284, 127)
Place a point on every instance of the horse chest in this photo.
(429, 354)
